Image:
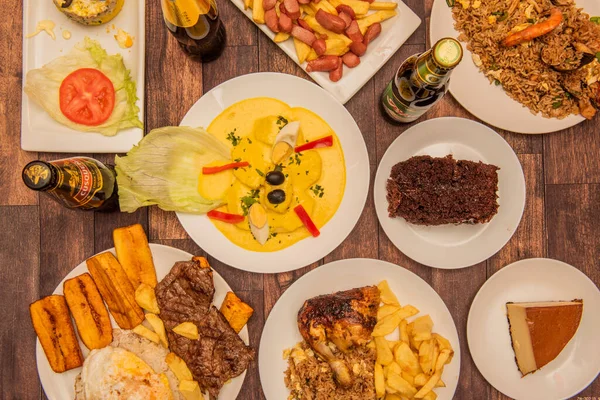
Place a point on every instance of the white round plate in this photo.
(454, 246)
(296, 92)
(281, 330)
(536, 279)
(489, 102)
(60, 386)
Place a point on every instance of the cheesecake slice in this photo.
(540, 331)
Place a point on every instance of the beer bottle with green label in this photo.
(421, 81)
(79, 182)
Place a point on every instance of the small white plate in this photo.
(281, 330)
(454, 246)
(60, 386)
(394, 32)
(39, 132)
(296, 92)
(536, 279)
(489, 102)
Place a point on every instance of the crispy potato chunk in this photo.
(146, 333)
(159, 327)
(52, 324)
(146, 298)
(133, 252)
(235, 311)
(188, 330)
(179, 367)
(89, 312)
(116, 289)
(190, 390)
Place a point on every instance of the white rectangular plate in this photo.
(39, 132)
(395, 31)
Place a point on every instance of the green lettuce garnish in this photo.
(164, 169)
(42, 86)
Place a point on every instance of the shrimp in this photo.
(534, 31)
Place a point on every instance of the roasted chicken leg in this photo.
(345, 318)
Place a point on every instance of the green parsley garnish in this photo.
(258, 171)
(318, 190)
(598, 56)
(235, 140)
(248, 200)
(595, 20)
(497, 82)
(557, 104)
(281, 121)
(278, 167)
(249, 141)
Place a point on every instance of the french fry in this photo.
(178, 367)
(428, 355)
(116, 290)
(52, 324)
(235, 311)
(408, 378)
(393, 396)
(324, 5)
(428, 387)
(307, 9)
(302, 50)
(312, 55)
(430, 396)
(383, 5)
(404, 332)
(336, 47)
(421, 380)
(385, 310)
(407, 360)
(190, 390)
(392, 367)
(281, 37)
(440, 383)
(384, 354)
(258, 12)
(134, 255)
(159, 328)
(415, 344)
(400, 385)
(146, 333)
(379, 381)
(359, 7)
(444, 344)
(442, 360)
(386, 294)
(392, 344)
(145, 297)
(188, 330)
(408, 311)
(88, 310)
(378, 16)
(387, 325)
(248, 4)
(422, 328)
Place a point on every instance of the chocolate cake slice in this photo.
(427, 190)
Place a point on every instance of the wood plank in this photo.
(419, 8)
(571, 156)
(234, 61)
(240, 30)
(20, 277)
(276, 284)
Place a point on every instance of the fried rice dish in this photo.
(544, 53)
(310, 378)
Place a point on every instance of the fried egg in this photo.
(113, 373)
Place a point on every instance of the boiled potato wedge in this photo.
(188, 330)
(378, 16)
(190, 390)
(52, 324)
(236, 312)
(158, 327)
(89, 312)
(134, 255)
(179, 367)
(146, 333)
(145, 297)
(116, 290)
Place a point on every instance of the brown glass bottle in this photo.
(196, 26)
(78, 183)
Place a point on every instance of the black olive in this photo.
(276, 196)
(275, 178)
(67, 3)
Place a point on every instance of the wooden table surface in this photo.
(40, 242)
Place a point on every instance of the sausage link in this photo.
(347, 19)
(285, 23)
(358, 48)
(303, 35)
(354, 33)
(320, 47)
(323, 63)
(350, 59)
(372, 32)
(330, 21)
(269, 4)
(304, 2)
(337, 73)
(346, 9)
(271, 20)
(292, 8)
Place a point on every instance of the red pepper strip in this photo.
(326, 141)
(225, 217)
(305, 218)
(221, 168)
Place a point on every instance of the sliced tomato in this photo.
(87, 97)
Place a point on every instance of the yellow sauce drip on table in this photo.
(44, 26)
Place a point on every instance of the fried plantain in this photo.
(133, 252)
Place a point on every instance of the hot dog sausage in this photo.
(268, 4)
(292, 8)
(304, 1)
(346, 9)
(358, 48)
(354, 33)
(285, 23)
(350, 59)
(337, 73)
(320, 47)
(305, 25)
(347, 19)
(303, 35)
(372, 32)
(271, 20)
(323, 63)
(330, 21)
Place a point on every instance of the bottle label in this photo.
(78, 181)
(187, 13)
(400, 108)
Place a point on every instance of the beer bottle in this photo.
(196, 26)
(421, 81)
(79, 182)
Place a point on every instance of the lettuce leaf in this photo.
(42, 86)
(164, 169)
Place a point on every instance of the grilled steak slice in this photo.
(185, 295)
(434, 191)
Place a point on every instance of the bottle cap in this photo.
(37, 175)
(447, 53)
